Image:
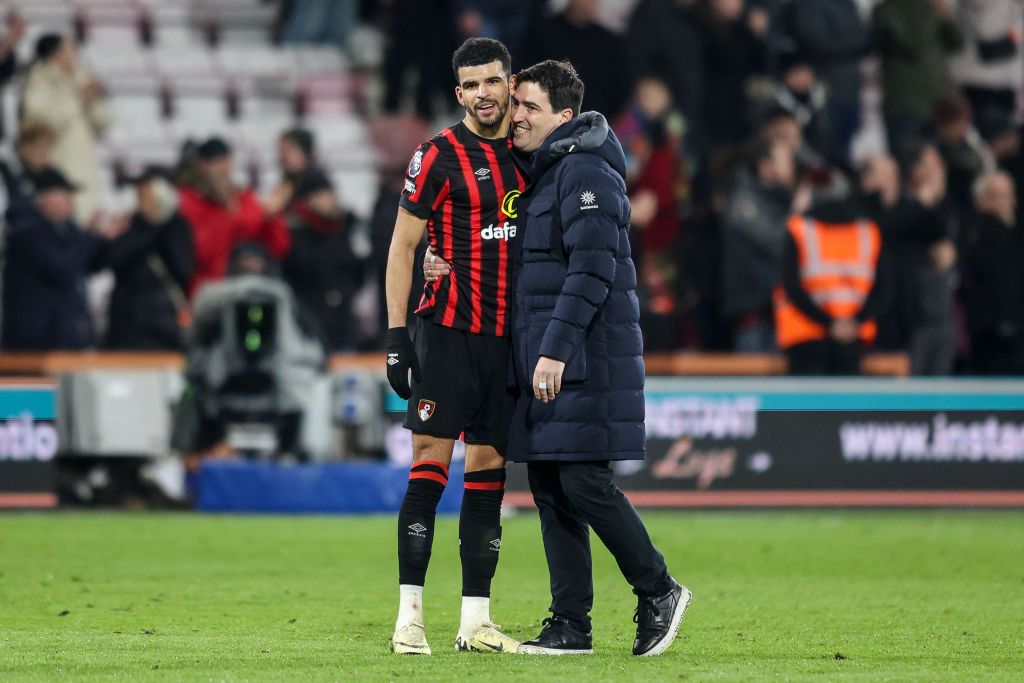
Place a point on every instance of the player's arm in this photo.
(397, 283)
(398, 278)
(426, 186)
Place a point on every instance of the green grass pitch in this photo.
(791, 596)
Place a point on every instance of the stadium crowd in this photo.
(736, 115)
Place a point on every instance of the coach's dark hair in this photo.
(559, 80)
(477, 51)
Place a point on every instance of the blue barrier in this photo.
(330, 488)
(39, 402)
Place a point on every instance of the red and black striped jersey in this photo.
(467, 187)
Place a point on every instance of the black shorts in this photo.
(463, 387)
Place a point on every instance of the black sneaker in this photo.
(559, 637)
(658, 618)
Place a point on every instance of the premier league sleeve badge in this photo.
(416, 164)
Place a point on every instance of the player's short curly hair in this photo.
(477, 51)
(559, 80)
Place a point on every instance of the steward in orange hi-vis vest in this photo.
(837, 267)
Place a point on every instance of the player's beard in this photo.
(492, 120)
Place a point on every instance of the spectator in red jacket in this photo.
(651, 132)
(222, 215)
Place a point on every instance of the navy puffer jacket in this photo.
(575, 301)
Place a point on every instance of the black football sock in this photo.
(416, 520)
(480, 530)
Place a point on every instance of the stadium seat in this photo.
(312, 60)
(270, 109)
(170, 34)
(128, 63)
(232, 14)
(255, 60)
(125, 36)
(173, 62)
(242, 36)
(135, 115)
(99, 14)
(357, 188)
(200, 81)
(171, 19)
(43, 14)
(332, 132)
(199, 116)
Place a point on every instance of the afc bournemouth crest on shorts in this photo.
(426, 410)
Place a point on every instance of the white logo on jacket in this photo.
(588, 199)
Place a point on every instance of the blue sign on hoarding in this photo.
(28, 446)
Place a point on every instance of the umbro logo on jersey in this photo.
(483, 173)
(496, 544)
(393, 359)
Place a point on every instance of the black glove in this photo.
(401, 359)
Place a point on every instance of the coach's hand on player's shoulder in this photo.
(434, 267)
(401, 359)
(547, 378)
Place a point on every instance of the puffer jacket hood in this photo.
(588, 133)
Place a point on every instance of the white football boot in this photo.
(487, 638)
(410, 639)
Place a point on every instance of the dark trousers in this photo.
(571, 498)
(825, 357)
(933, 350)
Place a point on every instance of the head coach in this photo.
(578, 358)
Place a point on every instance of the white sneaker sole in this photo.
(677, 619)
(535, 650)
(399, 647)
(403, 649)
